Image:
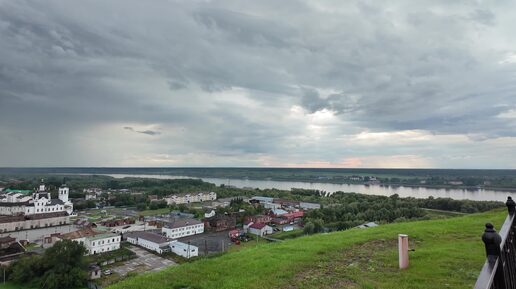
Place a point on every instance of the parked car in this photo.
(107, 272)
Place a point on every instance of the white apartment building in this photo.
(182, 228)
(102, 243)
(184, 250)
(94, 241)
(191, 198)
(148, 240)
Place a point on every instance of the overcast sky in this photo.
(258, 83)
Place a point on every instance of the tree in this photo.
(66, 266)
(309, 228)
(27, 270)
(61, 266)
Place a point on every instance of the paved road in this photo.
(144, 260)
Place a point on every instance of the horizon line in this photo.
(244, 167)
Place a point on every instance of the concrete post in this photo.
(403, 250)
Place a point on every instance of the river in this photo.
(384, 190)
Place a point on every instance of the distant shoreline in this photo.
(325, 181)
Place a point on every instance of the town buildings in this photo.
(191, 198)
(95, 241)
(247, 223)
(183, 249)
(21, 210)
(149, 240)
(221, 223)
(92, 193)
(90, 196)
(280, 221)
(22, 222)
(260, 229)
(259, 219)
(118, 222)
(225, 202)
(278, 212)
(18, 202)
(273, 203)
(309, 206)
(161, 244)
(259, 199)
(210, 214)
(287, 203)
(10, 250)
(182, 228)
(6, 241)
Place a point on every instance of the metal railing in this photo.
(499, 271)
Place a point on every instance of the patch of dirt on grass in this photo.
(334, 270)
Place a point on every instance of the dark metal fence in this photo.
(499, 271)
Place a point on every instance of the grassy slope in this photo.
(449, 254)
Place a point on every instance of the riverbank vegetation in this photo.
(440, 178)
(344, 211)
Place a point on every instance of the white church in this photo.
(40, 202)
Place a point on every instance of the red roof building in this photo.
(260, 229)
(294, 215)
(257, 219)
(257, 226)
(280, 221)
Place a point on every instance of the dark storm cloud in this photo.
(226, 77)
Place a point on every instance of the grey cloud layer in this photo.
(67, 68)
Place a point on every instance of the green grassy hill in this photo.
(448, 254)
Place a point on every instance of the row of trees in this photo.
(464, 206)
(343, 211)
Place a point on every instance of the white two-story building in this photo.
(182, 228)
(96, 242)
